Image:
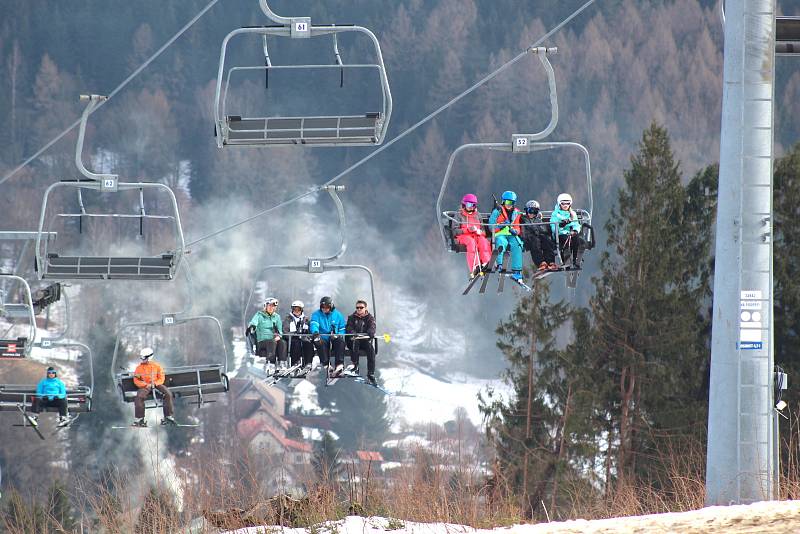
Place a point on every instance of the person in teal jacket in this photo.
(50, 391)
(268, 329)
(327, 329)
(567, 230)
(505, 222)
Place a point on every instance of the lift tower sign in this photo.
(751, 321)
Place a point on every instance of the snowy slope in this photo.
(763, 517)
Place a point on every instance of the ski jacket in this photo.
(560, 215)
(296, 325)
(267, 326)
(361, 325)
(503, 222)
(52, 388)
(327, 323)
(534, 231)
(466, 221)
(147, 374)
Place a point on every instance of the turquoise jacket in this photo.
(52, 388)
(559, 215)
(267, 326)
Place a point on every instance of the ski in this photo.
(502, 282)
(283, 373)
(362, 380)
(483, 274)
(30, 421)
(177, 425)
(67, 423)
(523, 285)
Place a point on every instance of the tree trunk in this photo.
(627, 383)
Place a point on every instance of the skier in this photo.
(566, 230)
(537, 238)
(268, 329)
(505, 224)
(149, 377)
(327, 327)
(297, 324)
(50, 391)
(470, 233)
(362, 322)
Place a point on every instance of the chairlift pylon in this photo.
(318, 265)
(520, 144)
(51, 265)
(366, 129)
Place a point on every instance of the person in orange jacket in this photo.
(149, 376)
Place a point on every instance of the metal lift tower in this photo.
(741, 440)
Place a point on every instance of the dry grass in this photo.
(231, 489)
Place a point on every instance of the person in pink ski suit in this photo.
(469, 232)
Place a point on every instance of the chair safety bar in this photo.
(79, 399)
(361, 130)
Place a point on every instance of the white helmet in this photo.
(298, 304)
(271, 300)
(564, 197)
(145, 353)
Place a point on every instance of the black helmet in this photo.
(326, 301)
(52, 370)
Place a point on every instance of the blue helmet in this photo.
(509, 195)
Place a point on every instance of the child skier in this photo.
(566, 230)
(470, 233)
(505, 224)
(537, 237)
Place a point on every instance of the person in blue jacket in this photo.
(505, 222)
(327, 329)
(51, 391)
(567, 231)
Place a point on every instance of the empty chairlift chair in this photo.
(17, 346)
(363, 129)
(194, 382)
(52, 264)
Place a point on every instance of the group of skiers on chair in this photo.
(514, 230)
(325, 332)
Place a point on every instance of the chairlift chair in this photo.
(318, 265)
(20, 346)
(50, 264)
(314, 130)
(185, 381)
(79, 398)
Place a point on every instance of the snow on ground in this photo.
(764, 517)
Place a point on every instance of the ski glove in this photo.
(514, 232)
(563, 223)
(314, 337)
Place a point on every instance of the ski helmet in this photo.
(326, 301)
(564, 198)
(52, 370)
(469, 197)
(271, 300)
(297, 304)
(509, 196)
(532, 206)
(145, 354)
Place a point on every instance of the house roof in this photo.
(250, 428)
(369, 456)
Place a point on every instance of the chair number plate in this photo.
(108, 184)
(301, 26)
(168, 320)
(522, 141)
(316, 264)
(46, 343)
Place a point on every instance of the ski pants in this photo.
(44, 402)
(356, 346)
(542, 248)
(505, 242)
(300, 348)
(269, 348)
(572, 242)
(478, 249)
(146, 393)
(325, 346)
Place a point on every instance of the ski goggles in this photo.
(532, 211)
(508, 203)
(565, 203)
(469, 204)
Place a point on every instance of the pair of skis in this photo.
(163, 424)
(35, 425)
(483, 275)
(280, 374)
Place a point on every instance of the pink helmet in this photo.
(469, 197)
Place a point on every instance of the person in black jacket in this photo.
(297, 336)
(538, 238)
(363, 323)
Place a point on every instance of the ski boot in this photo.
(169, 420)
(371, 380)
(33, 419)
(338, 370)
(139, 422)
(516, 276)
(353, 369)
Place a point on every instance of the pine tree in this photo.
(645, 312)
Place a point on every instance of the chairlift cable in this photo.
(407, 131)
(111, 95)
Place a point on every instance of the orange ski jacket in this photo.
(148, 373)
